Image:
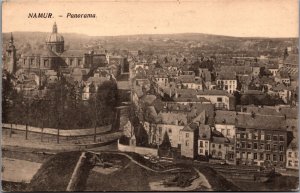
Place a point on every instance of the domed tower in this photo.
(55, 41)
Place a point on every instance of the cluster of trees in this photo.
(61, 107)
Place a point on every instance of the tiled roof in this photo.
(75, 53)
(45, 52)
(225, 117)
(148, 99)
(260, 122)
(220, 140)
(190, 127)
(227, 76)
(213, 92)
(172, 118)
(204, 132)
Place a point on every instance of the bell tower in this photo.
(11, 58)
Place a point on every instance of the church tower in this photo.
(55, 41)
(11, 58)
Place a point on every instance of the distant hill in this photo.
(28, 40)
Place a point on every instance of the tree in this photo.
(166, 144)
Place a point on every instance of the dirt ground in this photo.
(15, 170)
(278, 183)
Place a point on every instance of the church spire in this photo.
(54, 29)
(11, 38)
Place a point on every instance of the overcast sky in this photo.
(264, 18)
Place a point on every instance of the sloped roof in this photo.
(45, 52)
(204, 132)
(220, 140)
(260, 122)
(172, 118)
(227, 76)
(225, 117)
(74, 53)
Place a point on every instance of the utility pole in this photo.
(96, 117)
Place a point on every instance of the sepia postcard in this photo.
(150, 95)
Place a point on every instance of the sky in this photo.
(242, 18)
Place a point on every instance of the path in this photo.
(16, 170)
(62, 132)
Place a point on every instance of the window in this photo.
(237, 145)
(228, 132)
(249, 155)
(71, 62)
(296, 164)
(238, 155)
(262, 146)
(262, 137)
(249, 136)
(242, 135)
(275, 137)
(281, 138)
(201, 150)
(290, 163)
(170, 130)
(254, 145)
(238, 136)
(261, 156)
(281, 158)
(243, 155)
(274, 157)
(296, 154)
(46, 63)
(79, 62)
(268, 147)
(254, 136)
(249, 145)
(281, 148)
(268, 137)
(187, 143)
(201, 143)
(213, 145)
(187, 135)
(219, 99)
(220, 146)
(268, 157)
(32, 61)
(255, 155)
(213, 152)
(275, 147)
(290, 154)
(243, 144)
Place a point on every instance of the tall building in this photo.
(10, 63)
(55, 41)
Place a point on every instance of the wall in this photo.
(62, 132)
(136, 149)
(187, 144)
(205, 148)
(228, 130)
(292, 161)
(172, 131)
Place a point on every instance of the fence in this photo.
(60, 132)
(139, 150)
(51, 135)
